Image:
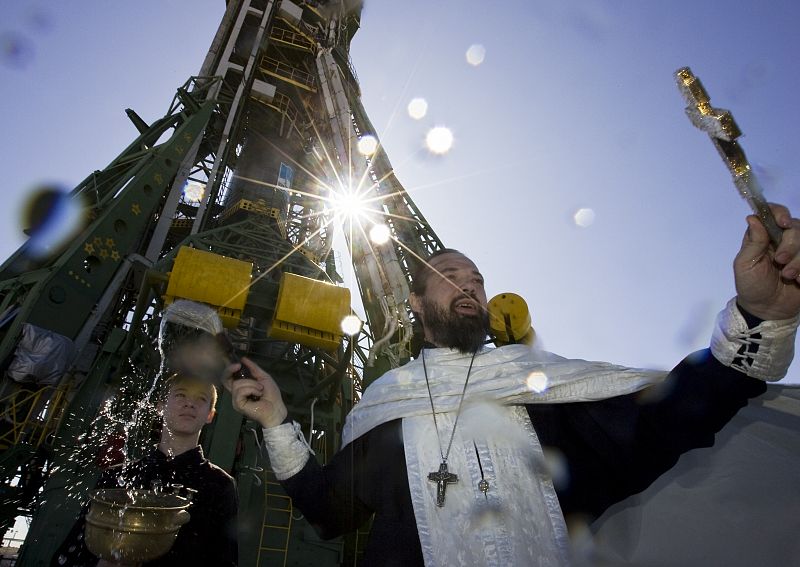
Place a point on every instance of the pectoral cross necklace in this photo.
(443, 477)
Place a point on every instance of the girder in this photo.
(265, 135)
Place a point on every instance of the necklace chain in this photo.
(458, 411)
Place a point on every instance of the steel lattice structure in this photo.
(268, 129)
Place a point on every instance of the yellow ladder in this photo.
(276, 524)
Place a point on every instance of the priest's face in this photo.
(453, 307)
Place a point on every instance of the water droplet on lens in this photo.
(51, 218)
(417, 108)
(584, 217)
(476, 54)
(16, 50)
(439, 140)
(367, 145)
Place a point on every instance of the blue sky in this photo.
(574, 106)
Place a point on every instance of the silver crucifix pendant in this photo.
(442, 478)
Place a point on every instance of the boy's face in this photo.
(188, 407)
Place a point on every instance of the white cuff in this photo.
(287, 449)
(732, 343)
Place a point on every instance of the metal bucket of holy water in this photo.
(133, 526)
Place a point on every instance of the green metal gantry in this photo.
(266, 130)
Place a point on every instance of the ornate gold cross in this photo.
(719, 124)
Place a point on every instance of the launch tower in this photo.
(230, 199)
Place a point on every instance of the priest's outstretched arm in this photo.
(753, 342)
(366, 477)
(327, 498)
(617, 447)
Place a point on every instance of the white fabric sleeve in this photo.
(287, 449)
(764, 352)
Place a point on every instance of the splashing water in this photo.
(123, 428)
(192, 339)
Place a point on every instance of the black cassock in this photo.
(612, 449)
(208, 539)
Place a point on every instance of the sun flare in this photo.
(348, 203)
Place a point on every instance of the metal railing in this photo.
(288, 73)
(30, 416)
(292, 39)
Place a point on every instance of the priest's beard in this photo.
(446, 328)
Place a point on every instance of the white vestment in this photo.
(518, 521)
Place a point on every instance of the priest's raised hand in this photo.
(258, 398)
(767, 277)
